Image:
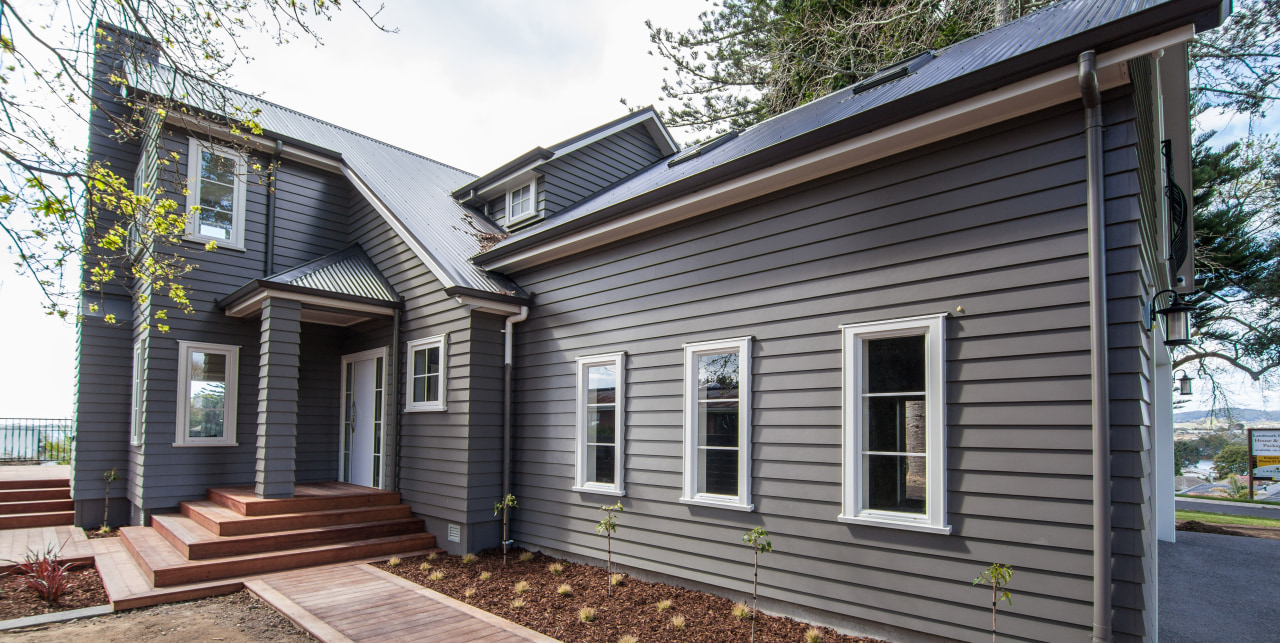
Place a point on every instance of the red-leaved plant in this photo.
(45, 573)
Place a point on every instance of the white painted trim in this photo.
(619, 363)
(853, 505)
(231, 394)
(440, 342)
(488, 305)
(372, 353)
(253, 304)
(390, 218)
(135, 407)
(690, 495)
(1023, 97)
(240, 191)
(533, 202)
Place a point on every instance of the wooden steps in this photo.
(323, 524)
(40, 502)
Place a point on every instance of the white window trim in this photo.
(440, 341)
(195, 146)
(228, 438)
(135, 408)
(533, 201)
(618, 360)
(741, 502)
(854, 509)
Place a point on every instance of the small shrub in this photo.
(486, 575)
(433, 556)
(44, 573)
(565, 589)
(663, 605)
(517, 604)
(677, 621)
(628, 638)
(521, 587)
(469, 558)
(616, 579)
(436, 575)
(587, 614)
(555, 568)
(813, 635)
(105, 530)
(426, 567)
(741, 611)
(526, 556)
(394, 561)
(469, 592)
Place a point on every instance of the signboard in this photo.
(1270, 471)
(1264, 453)
(1266, 442)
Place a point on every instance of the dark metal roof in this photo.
(1041, 41)
(347, 272)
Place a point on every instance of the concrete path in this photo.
(1218, 588)
(1233, 508)
(353, 603)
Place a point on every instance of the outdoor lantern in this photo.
(1184, 383)
(1177, 317)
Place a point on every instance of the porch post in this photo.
(277, 397)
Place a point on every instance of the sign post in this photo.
(1264, 455)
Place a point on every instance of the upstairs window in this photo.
(426, 374)
(717, 423)
(216, 190)
(894, 424)
(520, 203)
(207, 380)
(601, 425)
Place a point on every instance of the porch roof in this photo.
(341, 288)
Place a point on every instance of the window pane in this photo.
(601, 424)
(602, 384)
(217, 224)
(718, 424)
(218, 168)
(896, 483)
(433, 387)
(895, 364)
(718, 376)
(896, 423)
(419, 388)
(215, 196)
(207, 394)
(600, 464)
(719, 469)
(433, 360)
(419, 362)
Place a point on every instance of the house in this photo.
(909, 328)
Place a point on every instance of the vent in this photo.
(900, 69)
(695, 152)
(455, 534)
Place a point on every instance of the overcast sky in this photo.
(472, 84)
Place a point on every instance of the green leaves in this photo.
(609, 524)
(758, 538)
(997, 576)
(509, 502)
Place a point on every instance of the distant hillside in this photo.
(1247, 416)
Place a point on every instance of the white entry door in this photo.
(363, 417)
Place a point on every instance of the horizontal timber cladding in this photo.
(450, 465)
(577, 175)
(989, 227)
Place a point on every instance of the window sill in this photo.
(204, 241)
(719, 504)
(188, 445)
(424, 409)
(944, 530)
(600, 491)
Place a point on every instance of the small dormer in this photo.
(544, 181)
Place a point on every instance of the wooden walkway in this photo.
(71, 543)
(360, 603)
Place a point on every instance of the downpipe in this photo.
(508, 332)
(1098, 371)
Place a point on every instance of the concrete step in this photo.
(50, 519)
(36, 506)
(197, 543)
(222, 521)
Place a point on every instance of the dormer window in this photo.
(520, 203)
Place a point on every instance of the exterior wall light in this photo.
(1177, 319)
(1184, 383)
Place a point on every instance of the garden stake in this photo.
(606, 527)
(758, 538)
(508, 502)
(997, 575)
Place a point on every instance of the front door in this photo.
(363, 413)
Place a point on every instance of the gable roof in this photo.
(349, 271)
(1038, 42)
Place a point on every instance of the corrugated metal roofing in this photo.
(1046, 26)
(415, 188)
(346, 272)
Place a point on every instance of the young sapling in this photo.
(997, 576)
(607, 527)
(758, 538)
(505, 506)
(108, 477)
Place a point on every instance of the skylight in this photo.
(900, 69)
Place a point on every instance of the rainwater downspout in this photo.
(269, 267)
(1098, 370)
(506, 398)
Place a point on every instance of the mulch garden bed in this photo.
(84, 589)
(1248, 531)
(93, 534)
(631, 609)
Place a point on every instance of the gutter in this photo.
(506, 404)
(1098, 368)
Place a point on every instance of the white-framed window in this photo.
(217, 186)
(895, 424)
(135, 409)
(427, 381)
(521, 202)
(208, 375)
(717, 423)
(601, 423)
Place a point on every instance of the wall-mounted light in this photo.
(1184, 383)
(1177, 318)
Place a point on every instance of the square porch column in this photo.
(277, 397)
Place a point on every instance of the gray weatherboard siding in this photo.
(993, 222)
